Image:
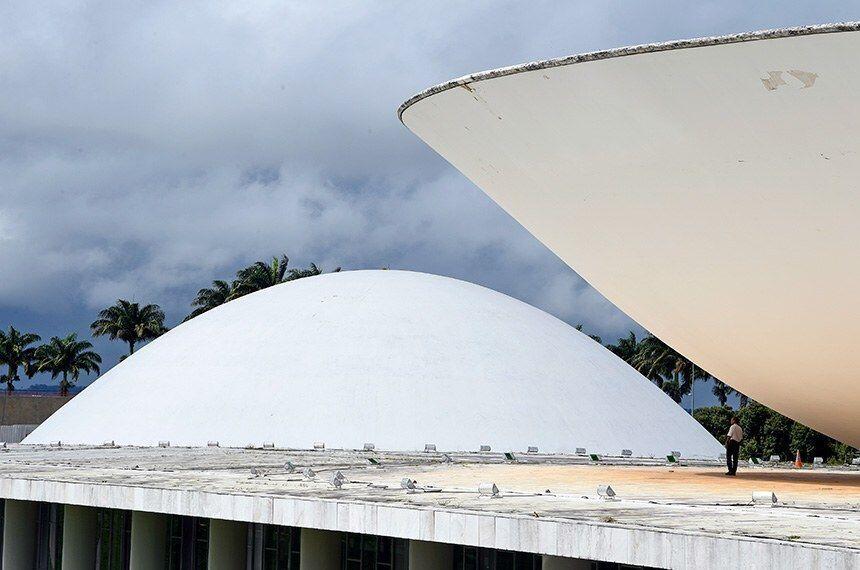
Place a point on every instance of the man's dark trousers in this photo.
(733, 449)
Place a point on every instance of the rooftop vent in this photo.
(319, 445)
(677, 454)
(56, 444)
(510, 456)
(488, 490)
(256, 472)
(268, 445)
(606, 492)
(369, 447)
(337, 479)
(764, 498)
(163, 444)
(429, 447)
(407, 483)
(290, 467)
(581, 451)
(212, 444)
(594, 457)
(309, 473)
(485, 448)
(626, 453)
(110, 443)
(532, 449)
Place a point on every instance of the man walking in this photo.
(733, 446)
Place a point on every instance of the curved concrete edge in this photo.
(630, 50)
(593, 540)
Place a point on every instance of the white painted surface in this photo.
(720, 214)
(148, 541)
(320, 550)
(80, 536)
(228, 545)
(19, 535)
(390, 357)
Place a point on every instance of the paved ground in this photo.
(820, 506)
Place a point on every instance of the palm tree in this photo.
(262, 275)
(666, 367)
(210, 297)
(70, 357)
(129, 322)
(722, 391)
(17, 353)
(626, 348)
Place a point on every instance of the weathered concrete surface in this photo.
(679, 517)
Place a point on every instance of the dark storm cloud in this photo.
(148, 148)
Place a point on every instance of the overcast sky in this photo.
(147, 148)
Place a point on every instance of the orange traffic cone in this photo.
(797, 461)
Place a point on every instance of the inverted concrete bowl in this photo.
(709, 188)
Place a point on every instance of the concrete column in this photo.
(148, 541)
(430, 555)
(227, 545)
(19, 535)
(80, 536)
(560, 563)
(320, 550)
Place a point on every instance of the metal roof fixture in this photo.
(429, 447)
(309, 473)
(447, 458)
(580, 451)
(256, 472)
(606, 492)
(485, 448)
(212, 444)
(319, 445)
(110, 443)
(677, 454)
(56, 444)
(532, 449)
(337, 479)
(163, 444)
(626, 453)
(373, 461)
(268, 445)
(407, 483)
(369, 447)
(509, 455)
(764, 498)
(290, 467)
(488, 490)
(594, 457)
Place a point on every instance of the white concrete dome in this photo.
(395, 358)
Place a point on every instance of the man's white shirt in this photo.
(736, 433)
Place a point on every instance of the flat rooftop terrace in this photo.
(541, 497)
